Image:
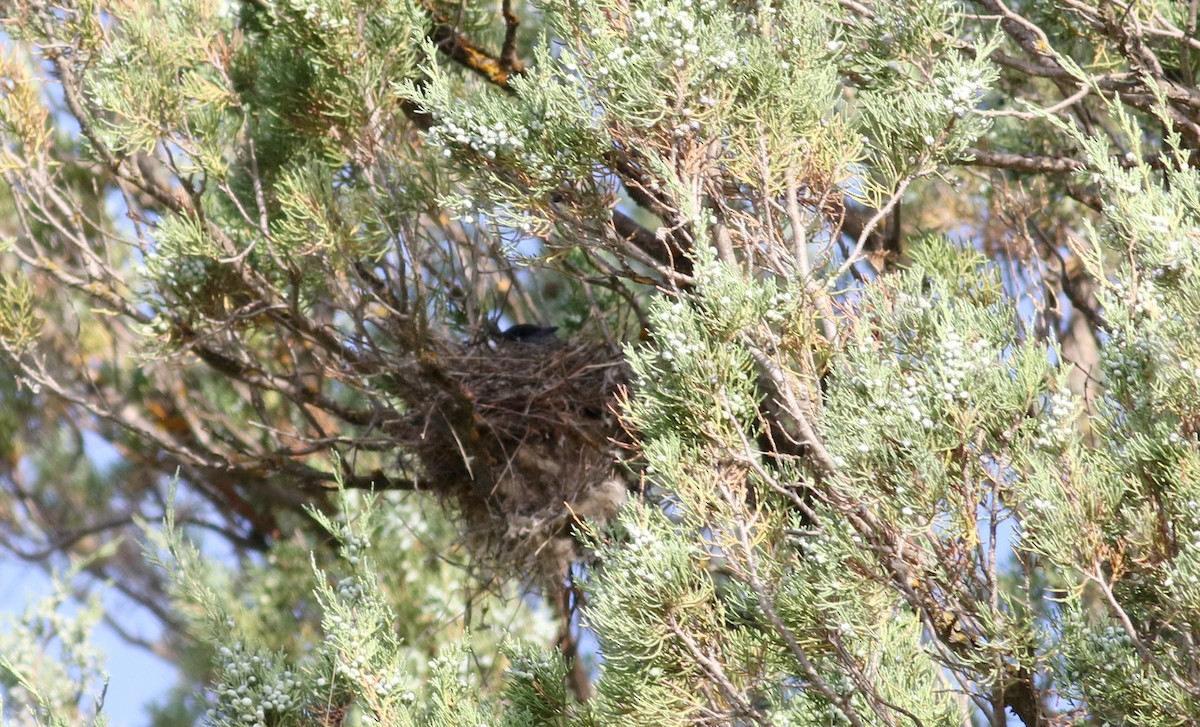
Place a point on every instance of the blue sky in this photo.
(136, 676)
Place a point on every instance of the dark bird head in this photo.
(528, 333)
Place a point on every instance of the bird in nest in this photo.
(528, 333)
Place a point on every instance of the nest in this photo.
(524, 439)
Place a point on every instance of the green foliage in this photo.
(263, 251)
(18, 317)
(50, 672)
(306, 645)
(170, 86)
(918, 103)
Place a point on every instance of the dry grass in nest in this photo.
(524, 443)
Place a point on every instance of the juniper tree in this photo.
(873, 398)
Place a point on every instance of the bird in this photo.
(528, 333)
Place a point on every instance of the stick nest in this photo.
(525, 440)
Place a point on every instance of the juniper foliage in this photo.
(906, 292)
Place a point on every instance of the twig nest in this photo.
(525, 441)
